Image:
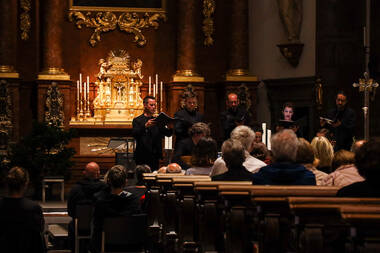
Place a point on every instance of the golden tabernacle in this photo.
(118, 98)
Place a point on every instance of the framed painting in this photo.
(156, 6)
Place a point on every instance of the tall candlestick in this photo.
(88, 89)
(157, 79)
(150, 84)
(264, 127)
(84, 92)
(80, 79)
(161, 90)
(154, 90)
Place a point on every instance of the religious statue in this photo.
(291, 16)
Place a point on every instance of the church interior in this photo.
(86, 66)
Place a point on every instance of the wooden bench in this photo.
(319, 224)
(269, 210)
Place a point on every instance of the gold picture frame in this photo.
(153, 6)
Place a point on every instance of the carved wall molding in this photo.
(130, 22)
(54, 105)
(208, 22)
(25, 20)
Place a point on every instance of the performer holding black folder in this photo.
(148, 133)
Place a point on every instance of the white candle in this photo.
(150, 83)
(154, 90)
(84, 91)
(80, 79)
(156, 79)
(264, 127)
(88, 87)
(269, 141)
(161, 91)
(166, 142)
(78, 91)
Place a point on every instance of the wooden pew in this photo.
(210, 229)
(364, 222)
(319, 223)
(184, 187)
(270, 206)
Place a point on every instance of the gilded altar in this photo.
(118, 97)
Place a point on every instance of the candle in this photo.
(150, 83)
(84, 91)
(154, 90)
(269, 137)
(161, 91)
(88, 88)
(80, 79)
(156, 79)
(264, 127)
(78, 91)
(166, 142)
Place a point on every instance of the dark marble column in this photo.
(8, 38)
(238, 53)
(186, 41)
(52, 35)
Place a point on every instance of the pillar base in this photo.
(7, 71)
(187, 76)
(53, 74)
(240, 75)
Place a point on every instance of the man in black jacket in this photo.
(187, 116)
(83, 193)
(343, 122)
(148, 135)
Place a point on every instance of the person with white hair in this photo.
(246, 136)
(284, 170)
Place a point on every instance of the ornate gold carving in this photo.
(130, 22)
(187, 76)
(25, 20)
(240, 75)
(8, 71)
(5, 115)
(54, 105)
(208, 22)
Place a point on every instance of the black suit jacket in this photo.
(148, 140)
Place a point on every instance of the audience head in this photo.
(17, 180)
(288, 111)
(190, 102)
(342, 157)
(92, 170)
(173, 168)
(284, 146)
(323, 151)
(245, 135)
(149, 105)
(232, 101)
(357, 144)
(199, 130)
(341, 100)
(233, 153)
(367, 160)
(259, 151)
(305, 152)
(204, 153)
(116, 177)
(139, 171)
(258, 136)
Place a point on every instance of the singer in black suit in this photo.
(148, 135)
(343, 124)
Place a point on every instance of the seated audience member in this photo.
(171, 168)
(306, 157)
(233, 154)
(204, 155)
(246, 136)
(139, 189)
(259, 136)
(21, 219)
(345, 172)
(367, 161)
(185, 146)
(112, 202)
(324, 152)
(356, 145)
(260, 152)
(83, 193)
(284, 170)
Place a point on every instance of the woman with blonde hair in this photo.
(306, 157)
(324, 152)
